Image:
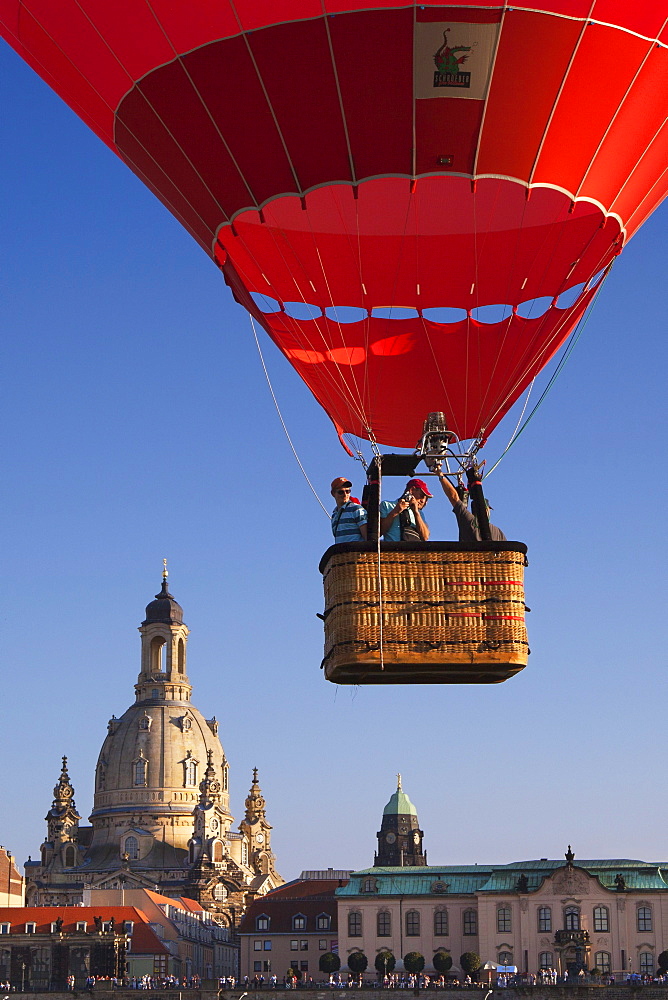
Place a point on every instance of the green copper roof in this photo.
(467, 879)
(399, 804)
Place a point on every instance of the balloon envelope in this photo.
(416, 202)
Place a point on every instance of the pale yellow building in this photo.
(610, 915)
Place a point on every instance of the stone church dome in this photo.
(154, 757)
(161, 812)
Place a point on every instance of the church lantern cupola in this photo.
(163, 675)
(400, 836)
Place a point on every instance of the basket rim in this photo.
(362, 547)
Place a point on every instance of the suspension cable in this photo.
(575, 336)
(280, 417)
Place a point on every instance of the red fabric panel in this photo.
(644, 178)
(470, 371)
(531, 61)
(646, 17)
(447, 127)
(54, 65)
(217, 71)
(128, 30)
(639, 120)
(378, 99)
(588, 104)
(303, 98)
(443, 238)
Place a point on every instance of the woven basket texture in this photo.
(437, 608)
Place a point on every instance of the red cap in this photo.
(420, 485)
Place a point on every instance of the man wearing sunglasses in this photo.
(348, 517)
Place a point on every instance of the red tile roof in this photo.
(144, 940)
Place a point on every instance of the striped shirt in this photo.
(346, 521)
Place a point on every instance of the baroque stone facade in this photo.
(610, 915)
(161, 816)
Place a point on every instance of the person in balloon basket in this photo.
(466, 521)
(401, 520)
(348, 517)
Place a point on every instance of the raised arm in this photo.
(448, 489)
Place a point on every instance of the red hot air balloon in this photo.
(415, 201)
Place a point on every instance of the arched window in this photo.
(441, 923)
(644, 918)
(544, 920)
(503, 924)
(190, 772)
(412, 923)
(217, 851)
(181, 656)
(369, 885)
(571, 918)
(145, 722)
(132, 848)
(602, 962)
(355, 924)
(601, 918)
(383, 924)
(70, 857)
(157, 654)
(505, 958)
(646, 963)
(470, 922)
(140, 771)
(546, 960)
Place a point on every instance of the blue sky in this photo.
(137, 424)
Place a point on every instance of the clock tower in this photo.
(400, 836)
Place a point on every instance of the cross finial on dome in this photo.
(165, 571)
(255, 776)
(398, 782)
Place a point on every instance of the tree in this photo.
(329, 962)
(469, 962)
(663, 962)
(414, 962)
(442, 960)
(357, 962)
(385, 961)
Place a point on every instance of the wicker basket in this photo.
(451, 613)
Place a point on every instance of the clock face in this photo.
(260, 838)
(390, 837)
(416, 838)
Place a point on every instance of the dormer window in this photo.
(299, 922)
(131, 848)
(5, 928)
(30, 928)
(263, 922)
(369, 885)
(323, 921)
(81, 926)
(145, 722)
